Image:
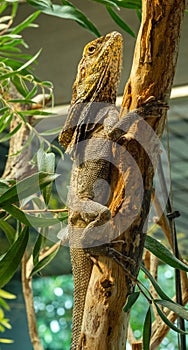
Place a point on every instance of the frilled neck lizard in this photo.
(91, 128)
(92, 115)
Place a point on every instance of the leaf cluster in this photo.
(4, 322)
(164, 301)
(68, 10)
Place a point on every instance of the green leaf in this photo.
(26, 23)
(27, 143)
(10, 134)
(130, 4)
(33, 92)
(6, 295)
(47, 84)
(3, 187)
(130, 301)
(6, 341)
(20, 85)
(12, 259)
(36, 221)
(55, 131)
(28, 63)
(34, 112)
(8, 230)
(164, 254)
(16, 213)
(108, 3)
(178, 309)
(169, 323)
(15, 65)
(3, 7)
(120, 22)
(29, 220)
(21, 101)
(67, 11)
(37, 248)
(27, 187)
(40, 3)
(14, 9)
(44, 262)
(5, 120)
(147, 330)
(46, 163)
(155, 284)
(5, 323)
(4, 304)
(2, 111)
(139, 15)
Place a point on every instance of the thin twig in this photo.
(28, 296)
(45, 210)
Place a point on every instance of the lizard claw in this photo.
(93, 235)
(152, 102)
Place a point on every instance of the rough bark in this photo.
(104, 323)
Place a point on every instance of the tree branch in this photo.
(104, 323)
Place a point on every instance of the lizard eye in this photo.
(91, 49)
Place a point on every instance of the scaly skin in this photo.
(92, 104)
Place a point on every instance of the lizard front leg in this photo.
(126, 126)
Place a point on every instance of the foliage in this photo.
(4, 322)
(68, 11)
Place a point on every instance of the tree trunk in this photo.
(105, 323)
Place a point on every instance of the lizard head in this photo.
(99, 70)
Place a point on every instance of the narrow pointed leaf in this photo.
(25, 23)
(46, 163)
(6, 295)
(67, 11)
(55, 131)
(5, 120)
(120, 22)
(163, 253)
(147, 330)
(27, 187)
(169, 323)
(44, 262)
(36, 221)
(155, 284)
(37, 248)
(3, 187)
(10, 134)
(12, 259)
(16, 213)
(20, 86)
(131, 4)
(29, 220)
(8, 230)
(178, 309)
(28, 63)
(131, 300)
(108, 3)
(4, 304)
